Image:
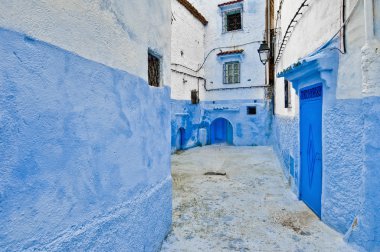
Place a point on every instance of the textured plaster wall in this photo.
(187, 116)
(252, 70)
(348, 114)
(85, 154)
(305, 40)
(342, 133)
(280, 109)
(247, 129)
(349, 85)
(367, 233)
(116, 33)
(285, 130)
(196, 40)
(188, 50)
(308, 35)
(342, 162)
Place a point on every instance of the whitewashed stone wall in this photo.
(112, 32)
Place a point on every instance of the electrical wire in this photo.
(345, 22)
(212, 50)
(216, 89)
(342, 26)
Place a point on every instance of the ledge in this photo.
(182, 114)
(230, 3)
(223, 108)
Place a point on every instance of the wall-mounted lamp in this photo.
(264, 52)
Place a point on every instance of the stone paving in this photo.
(250, 208)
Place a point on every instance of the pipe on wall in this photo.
(368, 20)
(343, 35)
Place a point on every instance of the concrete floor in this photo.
(249, 209)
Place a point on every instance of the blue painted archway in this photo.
(221, 131)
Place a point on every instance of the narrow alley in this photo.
(250, 208)
(190, 125)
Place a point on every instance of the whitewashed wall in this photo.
(307, 37)
(188, 38)
(116, 33)
(252, 70)
(318, 24)
(280, 99)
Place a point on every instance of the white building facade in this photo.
(227, 75)
(326, 58)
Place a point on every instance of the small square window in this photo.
(231, 72)
(287, 94)
(232, 20)
(251, 110)
(154, 70)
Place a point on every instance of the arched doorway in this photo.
(180, 139)
(221, 132)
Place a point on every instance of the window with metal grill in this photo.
(232, 20)
(231, 72)
(154, 70)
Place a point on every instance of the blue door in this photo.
(180, 139)
(311, 146)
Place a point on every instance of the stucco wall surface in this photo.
(367, 233)
(85, 154)
(342, 162)
(252, 70)
(342, 133)
(116, 33)
(349, 107)
(187, 116)
(308, 34)
(247, 129)
(285, 130)
(188, 35)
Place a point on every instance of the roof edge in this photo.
(193, 11)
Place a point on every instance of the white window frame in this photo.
(233, 11)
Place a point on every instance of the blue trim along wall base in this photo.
(85, 153)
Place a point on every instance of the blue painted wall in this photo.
(366, 232)
(286, 145)
(351, 151)
(187, 116)
(342, 161)
(84, 153)
(247, 129)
